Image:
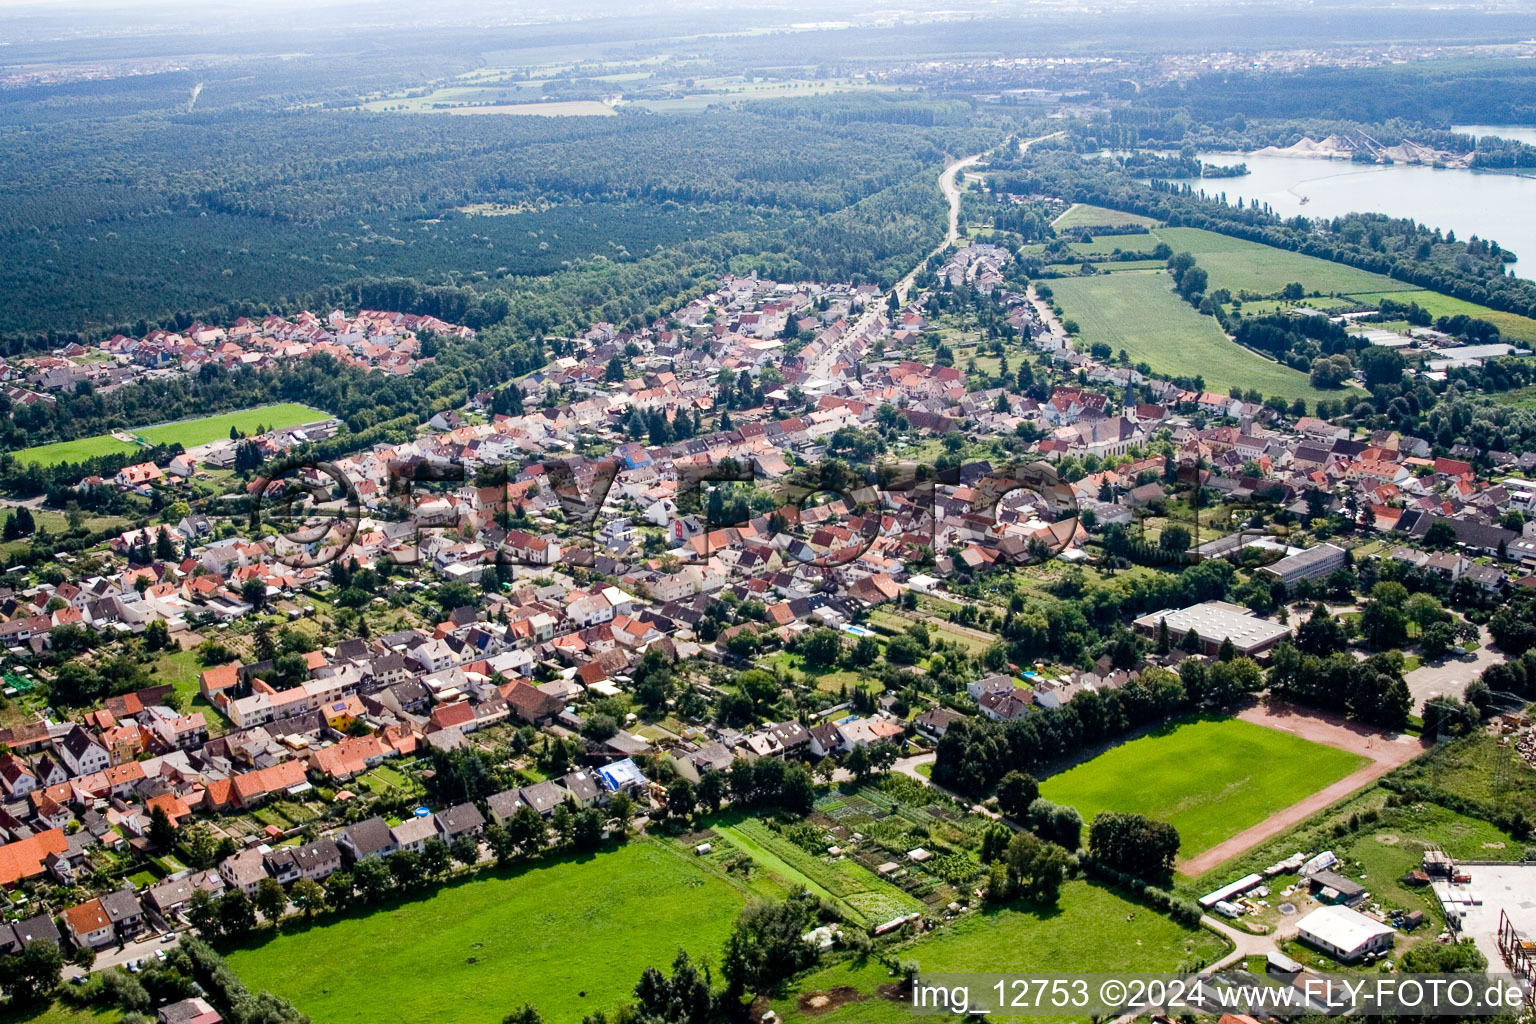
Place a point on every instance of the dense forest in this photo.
(1440, 93)
(106, 221)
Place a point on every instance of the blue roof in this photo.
(620, 774)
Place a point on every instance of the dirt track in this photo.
(1386, 751)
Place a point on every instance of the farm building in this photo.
(1215, 621)
(1344, 934)
(1312, 564)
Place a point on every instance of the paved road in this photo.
(1046, 314)
(1450, 676)
(908, 766)
(949, 184)
(114, 957)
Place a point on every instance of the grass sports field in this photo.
(476, 951)
(75, 451)
(1090, 930)
(1084, 215)
(1140, 313)
(187, 433)
(1209, 778)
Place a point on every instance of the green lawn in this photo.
(61, 1013)
(1085, 215)
(75, 451)
(1237, 264)
(1140, 313)
(1108, 267)
(1092, 929)
(1512, 326)
(1210, 778)
(571, 937)
(1105, 245)
(831, 680)
(182, 669)
(189, 433)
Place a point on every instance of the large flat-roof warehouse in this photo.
(1215, 621)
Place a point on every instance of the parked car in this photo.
(159, 954)
(167, 937)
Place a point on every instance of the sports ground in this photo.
(187, 433)
(1210, 778)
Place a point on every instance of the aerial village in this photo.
(553, 551)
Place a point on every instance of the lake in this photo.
(1501, 207)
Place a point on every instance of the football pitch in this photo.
(1210, 778)
(187, 433)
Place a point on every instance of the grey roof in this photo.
(1313, 559)
(543, 797)
(1346, 887)
(582, 785)
(369, 836)
(121, 905)
(39, 927)
(312, 855)
(504, 804)
(458, 820)
(414, 830)
(77, 741)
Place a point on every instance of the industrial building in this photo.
(1215, 621)
(1312, 564)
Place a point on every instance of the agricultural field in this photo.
(1085, 215)
(1512, 326)
(734, 89)
(1237, 264)
(1092, 929)
(570, 936)
(866, 898)
(190, 433)
(1210, 778)
(1107, 267)
(1106, 245)
(973, 641)
(1141, 314)
(1258, 307)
